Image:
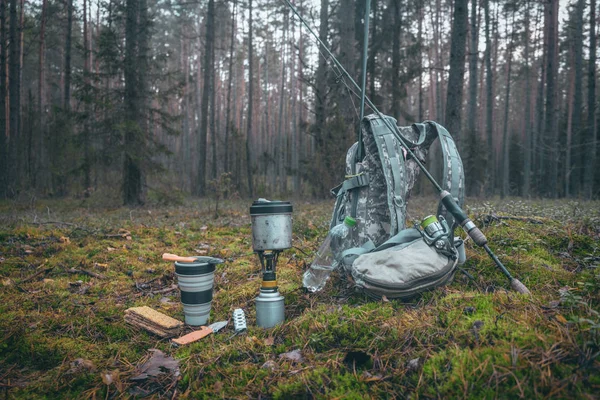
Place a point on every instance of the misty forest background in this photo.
(149, 100)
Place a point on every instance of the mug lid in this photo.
(263, 206)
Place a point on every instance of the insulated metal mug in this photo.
(196, 281)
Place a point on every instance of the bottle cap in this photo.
(350, 221)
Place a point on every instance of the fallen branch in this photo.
(84, 272)
(53, 223)
(165, 290)
(35, 275)
(491, 217)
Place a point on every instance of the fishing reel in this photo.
(437, 233)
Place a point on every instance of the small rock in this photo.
(469, 310)
(294, 355)
(413, 364)
(270, 364)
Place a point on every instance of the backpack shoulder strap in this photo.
(453, 175)
(392, 162)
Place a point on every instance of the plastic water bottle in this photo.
(316, 276)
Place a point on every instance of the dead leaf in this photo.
(65, 240)
(101, 266)
(384, 299)
(158, 363)
(294, 355)
(561, 319)
(7, 282)
(128, 237)
(107, 378)
(81, 365)
(218, 386)
(369, 377)
(110, 248)
(203, 228)
(270, 341)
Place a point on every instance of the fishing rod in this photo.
(446, 198)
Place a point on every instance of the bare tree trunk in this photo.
(250, 103)
(67, 88)
(569, 146)
(321, 78)
(3, 104)
(551, 125)
(454, 98)
(395, 109)
(134, 69)
(420, 41)
(206, 89)
(14, 96)
(591, 138)
(537, 154)
(527, 136)
(280, 153)
(41, 96)
(489, 103)
(347, 57)
(505, 135)
(213, 127)
(295, 148)
(574, 184)
(86, 125)
(229, 84)
(471, 148)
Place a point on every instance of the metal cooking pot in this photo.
(271, 225)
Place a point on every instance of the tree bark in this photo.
(321, 78)
(527, 135)
(472, 138)
(3, 105)
(132, 172)
(41, 93)
(67, 87)
(14, 89)
(396, 32)
(250, 102)
(454, 99)
(551, 123)
(280, 151)
(573, 185)
(213, 95)
(489, 103)
(591, 138)
(86, 125)
(206, 89)
(505, 134)
(229, 84)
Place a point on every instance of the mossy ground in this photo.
(474, 338)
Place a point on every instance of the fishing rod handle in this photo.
(465, 222)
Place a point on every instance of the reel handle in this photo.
(461, 217)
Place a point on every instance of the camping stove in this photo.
(271, 234)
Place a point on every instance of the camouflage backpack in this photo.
(382, 255)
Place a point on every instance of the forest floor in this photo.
(68, 272)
